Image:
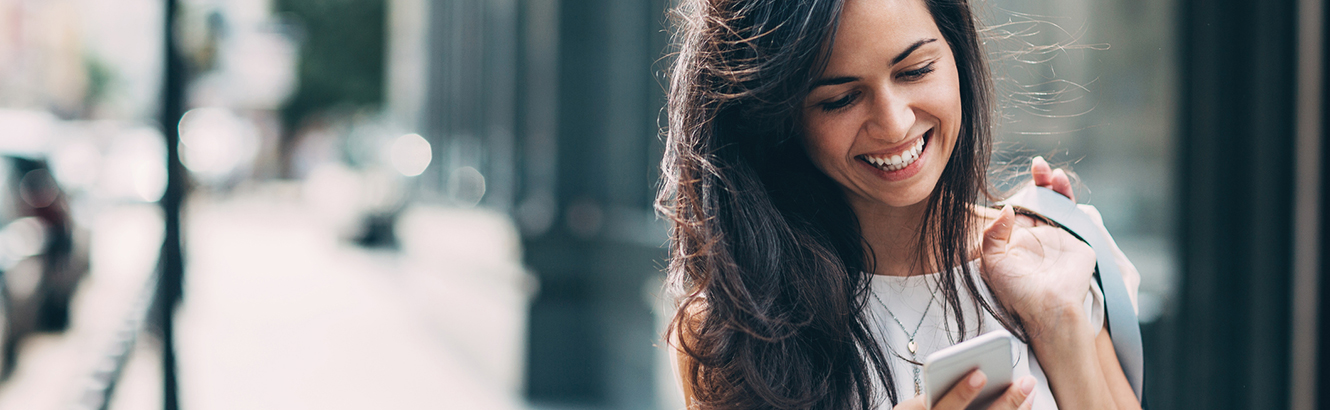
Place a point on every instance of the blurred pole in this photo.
(1306, 241)
(589, 232)
(171, 268)
(1232, 331)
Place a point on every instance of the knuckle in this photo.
(968, 393)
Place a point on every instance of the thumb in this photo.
(998, 233)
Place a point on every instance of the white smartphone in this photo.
(990, 353)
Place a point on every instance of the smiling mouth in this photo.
(898, 161)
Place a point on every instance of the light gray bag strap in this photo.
(1123, 325)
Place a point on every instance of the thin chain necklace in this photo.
(912, 347)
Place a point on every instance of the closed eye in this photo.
(840, 103)
(917, 73)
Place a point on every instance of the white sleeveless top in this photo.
(909, 296)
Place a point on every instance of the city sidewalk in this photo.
(279, 313)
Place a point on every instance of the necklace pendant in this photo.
(913, 347)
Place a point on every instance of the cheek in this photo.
(827, 143)
(948, 100)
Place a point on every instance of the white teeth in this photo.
(899, 161)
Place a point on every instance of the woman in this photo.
(825, 161)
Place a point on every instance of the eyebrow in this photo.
(901, 57)
(911, 49)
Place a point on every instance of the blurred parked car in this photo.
(43, 254)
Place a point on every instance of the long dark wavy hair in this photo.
(767, 261)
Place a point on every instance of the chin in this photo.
(912, 196)
(911, 192)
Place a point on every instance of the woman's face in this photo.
(884, 117)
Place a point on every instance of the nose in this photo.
(892, 116)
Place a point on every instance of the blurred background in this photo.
(338, 204)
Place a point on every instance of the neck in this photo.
(893, 233)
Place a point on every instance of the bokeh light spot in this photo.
(410, 154)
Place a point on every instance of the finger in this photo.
(1062, 184)
(1016, 395)
(914, 403)
(998, 232)
(963, 392)
(1029, 402)
(1042, 173)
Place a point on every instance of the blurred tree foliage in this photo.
(341, 56)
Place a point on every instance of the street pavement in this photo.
(282, 313)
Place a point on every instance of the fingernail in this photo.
(977, 379)
(1027, 385)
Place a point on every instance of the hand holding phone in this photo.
(990, 353)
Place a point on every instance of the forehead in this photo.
(872, 29)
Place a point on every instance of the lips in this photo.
(898, 160)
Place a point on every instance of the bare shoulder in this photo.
(681, 334)
(687, 320)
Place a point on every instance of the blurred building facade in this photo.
(556, 106)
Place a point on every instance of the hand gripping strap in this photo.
(1123, 325)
